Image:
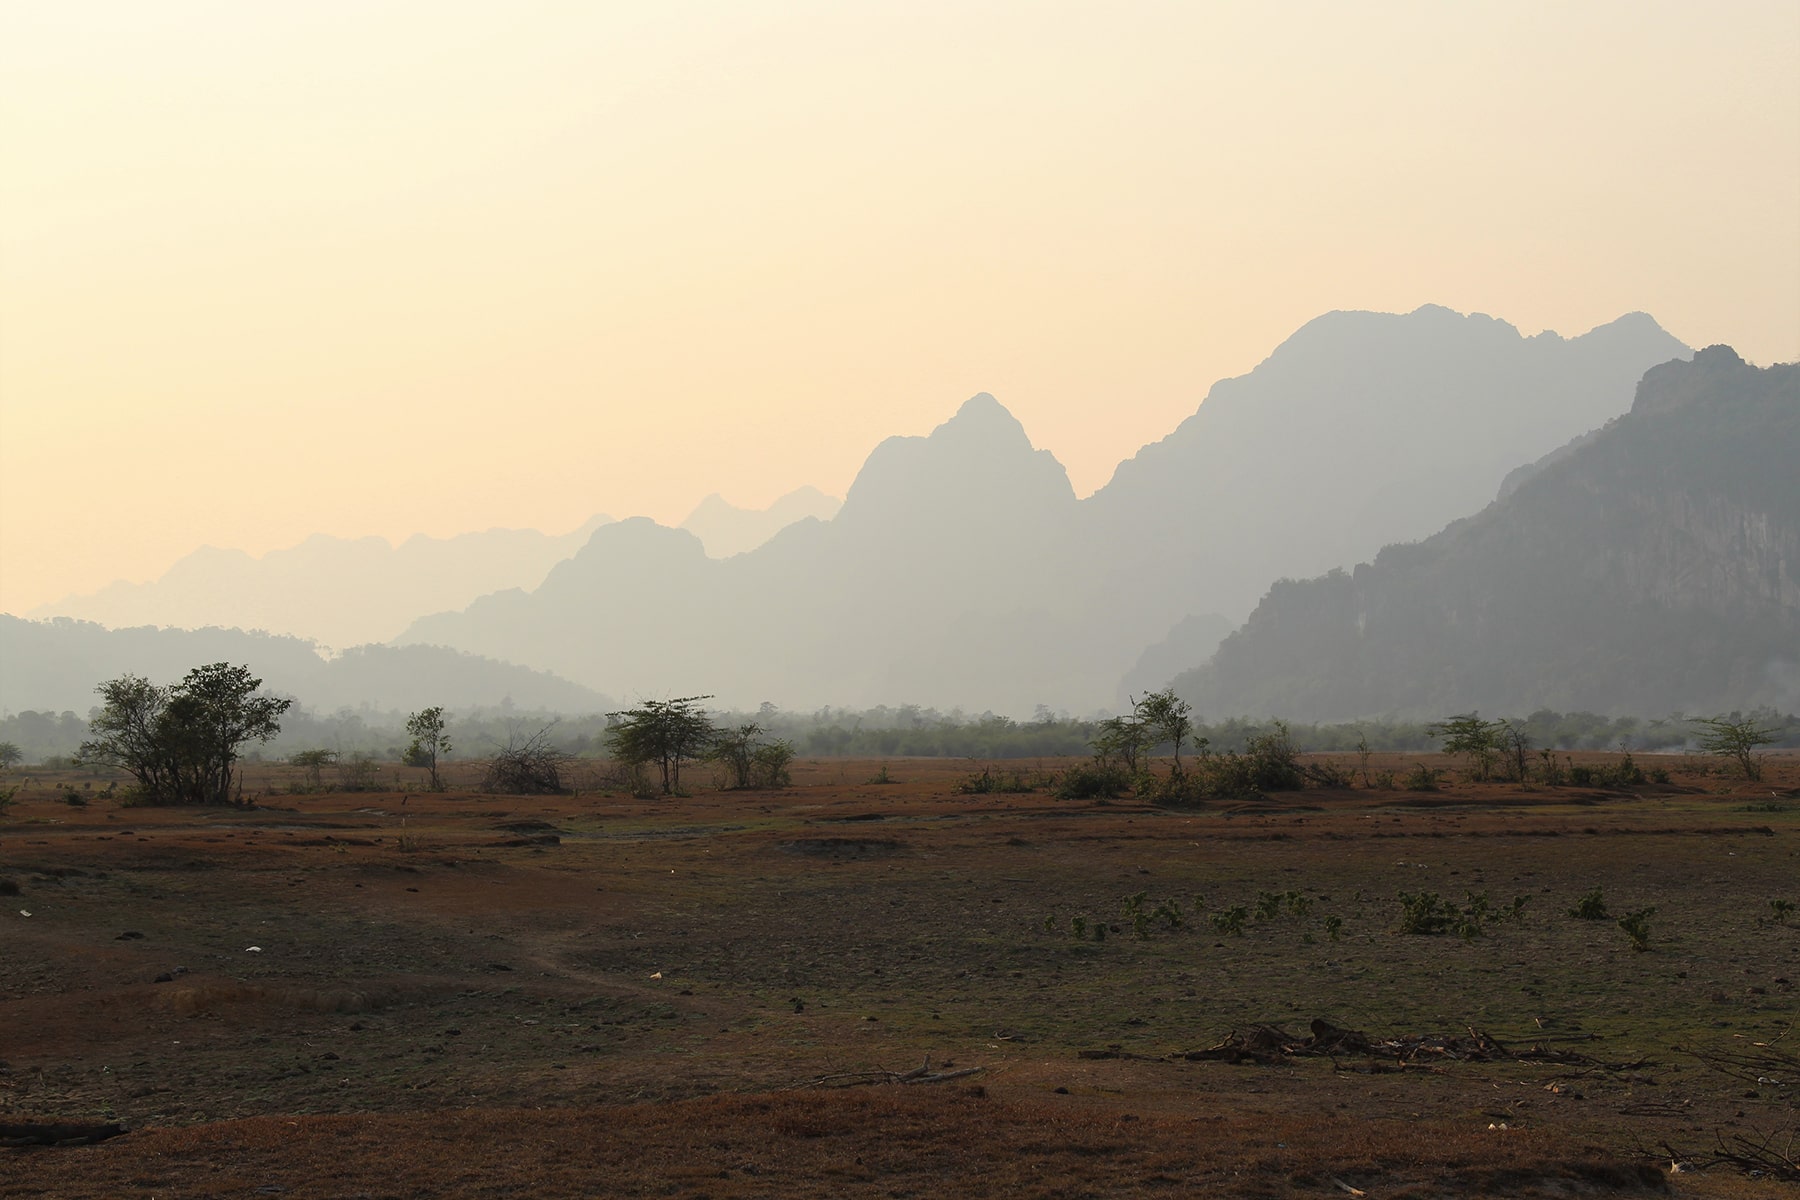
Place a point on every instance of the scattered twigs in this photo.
(1771, 1155)
(1776, 1154)
(923, 1073)
(1760, 1063)
(1270, 1043)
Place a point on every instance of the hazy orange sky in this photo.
(276, 269)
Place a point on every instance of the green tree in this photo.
(314, 762)
(665, 732)
(1736, 738)
(1120, 739)
(1168, 718)
(749, 760)
(430, 742)
(10, 756)
(1477, 741)
(181, 742)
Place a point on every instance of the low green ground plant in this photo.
(1591, 907)
(1637, 927)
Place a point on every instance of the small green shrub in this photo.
(991, 781)
(1637, 927)
(1092, 781)
(1423, 913)
(1231, 920)
(1591, 907)
(1422, 779)
(1780, 910)
(1334, 925)
(1426, 913)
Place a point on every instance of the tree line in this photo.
(182, 742)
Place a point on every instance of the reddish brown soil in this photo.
(657, 998)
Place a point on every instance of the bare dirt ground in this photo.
(402, 994)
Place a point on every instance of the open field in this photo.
(474, 995)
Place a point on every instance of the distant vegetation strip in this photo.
(898, 732)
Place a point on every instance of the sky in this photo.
(268, 270)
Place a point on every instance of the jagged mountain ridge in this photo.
(962, 570)
(725, 529)
(1651, 567)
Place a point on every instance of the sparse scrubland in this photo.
(780, 991)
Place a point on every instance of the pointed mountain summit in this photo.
(980, 459)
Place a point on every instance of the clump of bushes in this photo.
(1422, 779)
(1623, 774)
(1092, 781)
(1591, 907)
(1427, 913)
(991, 781)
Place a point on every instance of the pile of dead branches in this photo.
(528, 765)
(1270, 1043)
(1772, 1155)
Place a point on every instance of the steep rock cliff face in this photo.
(1652, 567)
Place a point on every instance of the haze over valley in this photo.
(963, 571)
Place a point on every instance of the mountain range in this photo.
(1651, 566)
(963, 570)
(725, 529)
(56, 665)
(334, 590)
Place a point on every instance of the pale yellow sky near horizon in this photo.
(384, 268)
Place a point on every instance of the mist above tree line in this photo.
(963, 569)
(880, 732)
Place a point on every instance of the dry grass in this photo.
(625, 1010)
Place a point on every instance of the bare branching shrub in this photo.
(358, 772)
(528, 766)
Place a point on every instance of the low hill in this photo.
(56, 665)
(334, 590)
(1651, 567)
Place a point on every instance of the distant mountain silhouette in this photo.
(1651, 567)
(920, 585)
(962, 570)
(1193, 640)
(56, 665)
(725, 530)
(338, 591)
(1360, 430)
